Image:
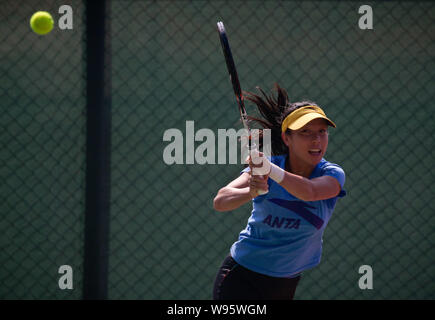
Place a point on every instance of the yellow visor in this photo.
(301, 116)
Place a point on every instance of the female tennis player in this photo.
(283, 236)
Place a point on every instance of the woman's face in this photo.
(308, 144)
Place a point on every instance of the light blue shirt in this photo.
(284, 234)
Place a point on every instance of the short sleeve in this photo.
(336, 172)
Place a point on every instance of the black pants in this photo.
(234, 282)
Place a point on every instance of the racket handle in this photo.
(261, 192)
(254, 154)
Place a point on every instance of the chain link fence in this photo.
(42, 99)
(166, 241)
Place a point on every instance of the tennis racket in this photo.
(237, 89)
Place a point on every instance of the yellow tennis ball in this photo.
(41, 22)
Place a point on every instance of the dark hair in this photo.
(274, 110)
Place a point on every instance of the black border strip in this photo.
(97, 206)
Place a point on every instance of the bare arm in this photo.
(320, 188)
(239, 191)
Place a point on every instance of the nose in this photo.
(315, 137)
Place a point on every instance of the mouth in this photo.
(315, 152)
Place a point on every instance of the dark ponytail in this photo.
(273, 111)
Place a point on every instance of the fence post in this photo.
(98, 84)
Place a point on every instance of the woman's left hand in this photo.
(259, 164)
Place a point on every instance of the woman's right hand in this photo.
(257, 183)
(234, 194)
